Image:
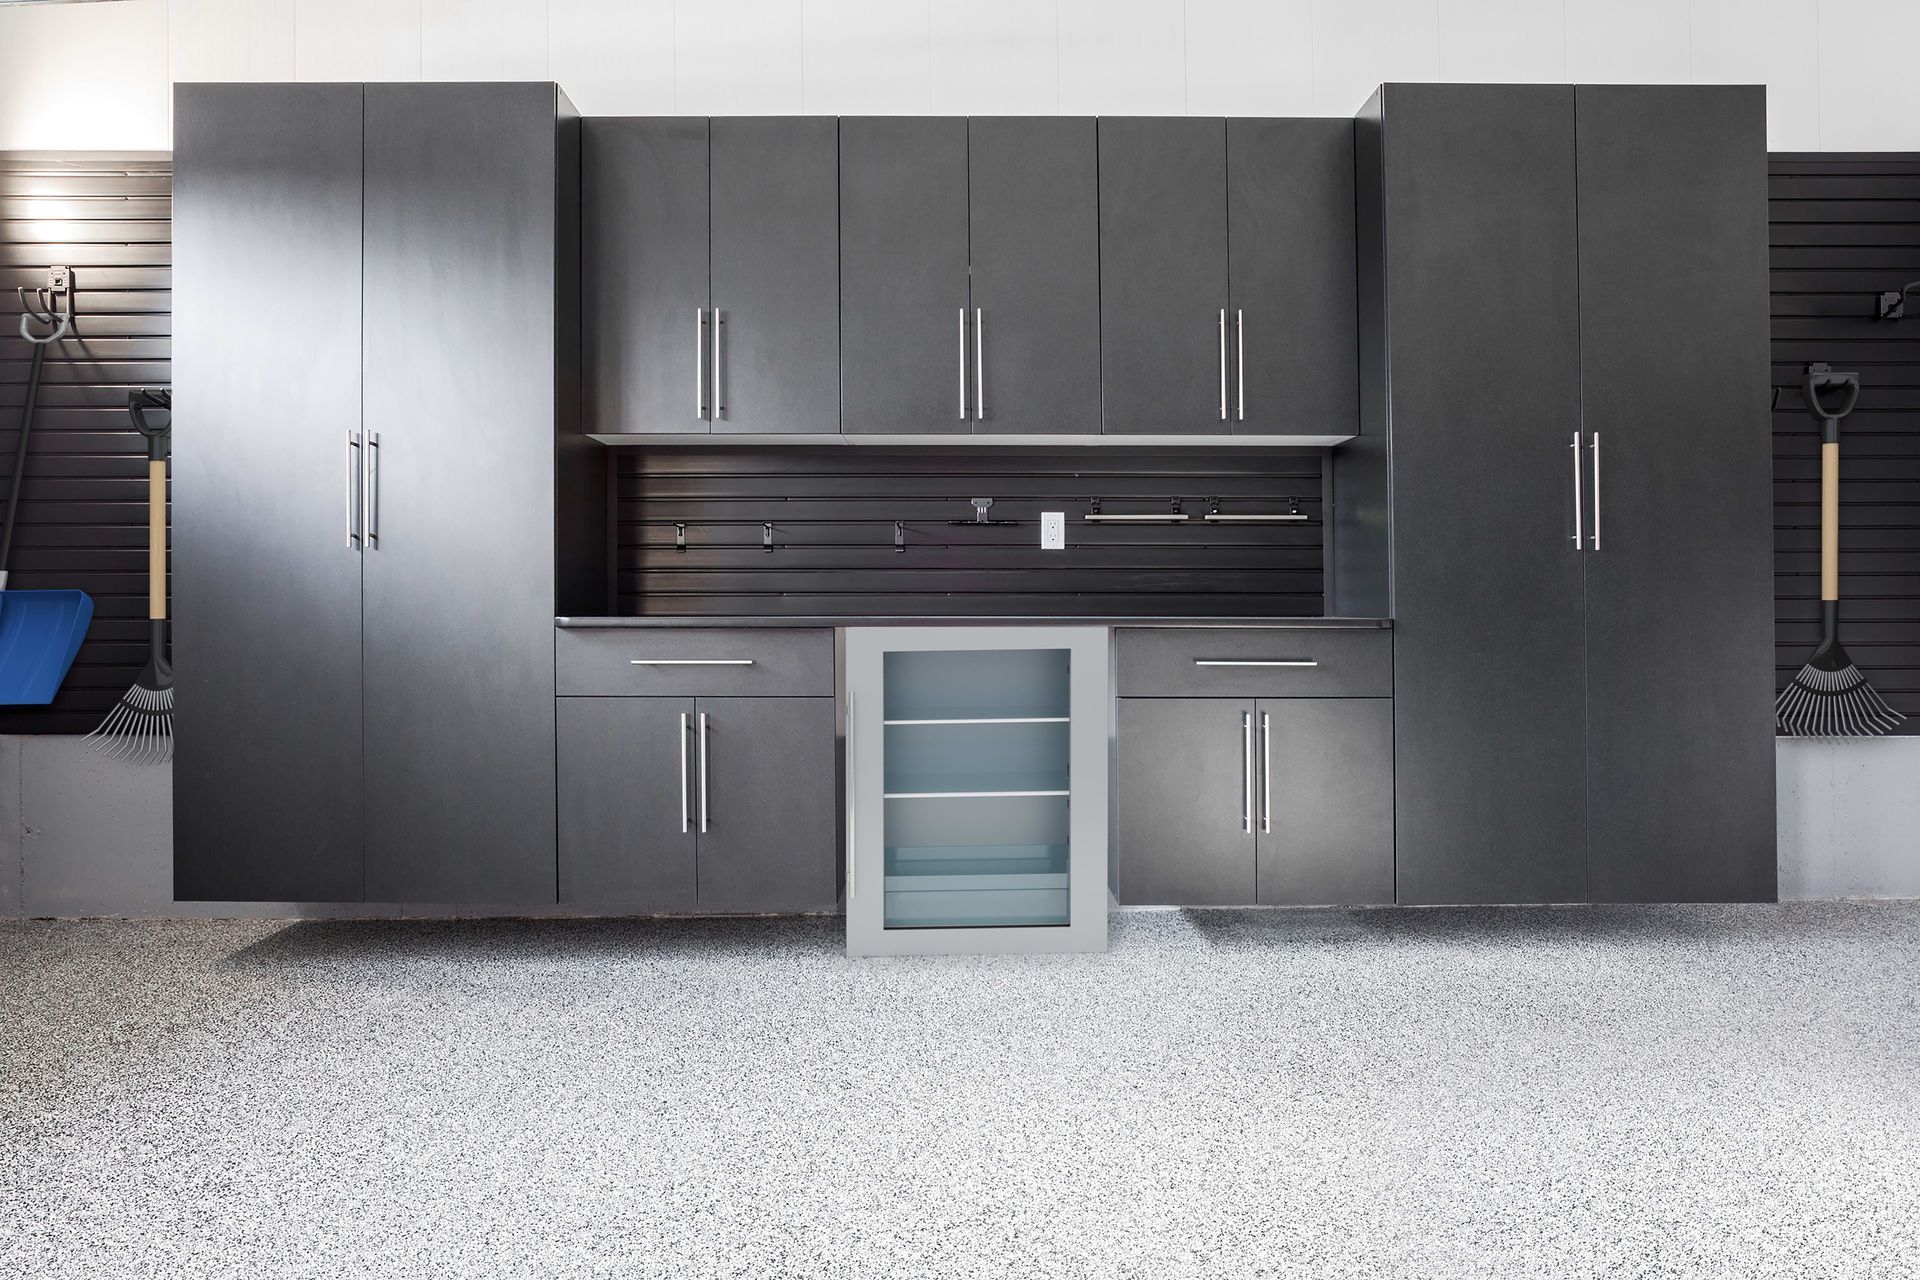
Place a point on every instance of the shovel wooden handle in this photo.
(1830, 520)
(156, 538)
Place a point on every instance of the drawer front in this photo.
(1231, 662)
(717, 662)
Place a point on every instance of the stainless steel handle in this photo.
(1266, 772)
(703, 773)
(1246, 760)
(1578, 501)
(684, 821)
(1240, 358)
(853, 806)
(979, 366)
(700, 364)
(1223, 364)
(689, 662)
(963, 364)
(1596, 491)
(370, 488)
(719, 364)
(353, 489)
(1255, 662)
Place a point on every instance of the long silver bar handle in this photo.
(354, 480)
(370, 488)
(719, 364)
(963, 364)
(1223, 364)
(1266, 772)
(979, 365)
(1578, 501)
(1255, 662)
(689, 662)
(1596, 491)
(703, 773)
(1246, 761)
(853, 806)
(685, 821)
(1240, 357)
(700, 363)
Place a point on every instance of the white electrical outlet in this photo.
(1053, 531)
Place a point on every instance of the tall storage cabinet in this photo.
(976, 789)
(405, 454)
(1561, 491)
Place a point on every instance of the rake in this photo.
(1830, 698)
(140, 726)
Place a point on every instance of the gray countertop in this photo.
(916, 620)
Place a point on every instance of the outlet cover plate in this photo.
(1053, 531)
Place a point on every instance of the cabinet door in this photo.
(1291, 252)
(1482, 329)
(626, 802)
(1326, 806)
(643, 227)
(459, 585)
(266, 584)
(768, 804)
(775, 275)
(1181, 781)
(903, 275)
(1034, 220)
(1673, 331)
(1163, 275)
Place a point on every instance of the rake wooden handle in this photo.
(1830, 520)
(156, 538)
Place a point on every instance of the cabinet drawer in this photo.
(713, 662)
(1266, 662)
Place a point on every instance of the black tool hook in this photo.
(46, 308)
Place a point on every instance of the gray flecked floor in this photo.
(1565, 1092)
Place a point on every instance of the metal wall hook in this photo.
(679, 536)
(48, 310)
(900, 536)
(766, 536)
(1893, 302)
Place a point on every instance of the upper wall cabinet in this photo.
(712, 290)
(1227, 276)
(971, 273)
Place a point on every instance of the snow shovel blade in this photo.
(40, 631)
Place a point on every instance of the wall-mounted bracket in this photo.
(679, 536)
(766, 537)
(1893, 302)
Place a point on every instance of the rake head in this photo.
(139, 729)
(1831, 699)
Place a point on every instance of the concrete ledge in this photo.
(1849, 817)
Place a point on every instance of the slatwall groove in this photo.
(83, 513)
(1844, 228)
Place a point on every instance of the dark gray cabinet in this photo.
(907, 323)
(643, 224)
(1290, 249)
(372, 660)
(1564, 462)
(1679, 592)
(1034, 245)
(1163, 276)
(1326, 802)
(461, 218)
(713, 300)
(627, 827)
(1238, 801)
(698, 803)
(266, 581)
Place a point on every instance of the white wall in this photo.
(1838, 72)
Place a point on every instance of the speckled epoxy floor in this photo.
(1677, 1091)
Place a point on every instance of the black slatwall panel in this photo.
(833, 512)
(83, 520)
(1844, 228)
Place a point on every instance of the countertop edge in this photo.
(567, 623)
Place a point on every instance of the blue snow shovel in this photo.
(40, 631)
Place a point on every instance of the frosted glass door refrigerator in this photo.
(976, 789)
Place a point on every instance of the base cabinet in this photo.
(698, 803)
(1242, 801)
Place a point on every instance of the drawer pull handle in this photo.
(689, 662)
(1255, 662)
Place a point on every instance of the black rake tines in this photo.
(139, 729)
(1837, 703)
